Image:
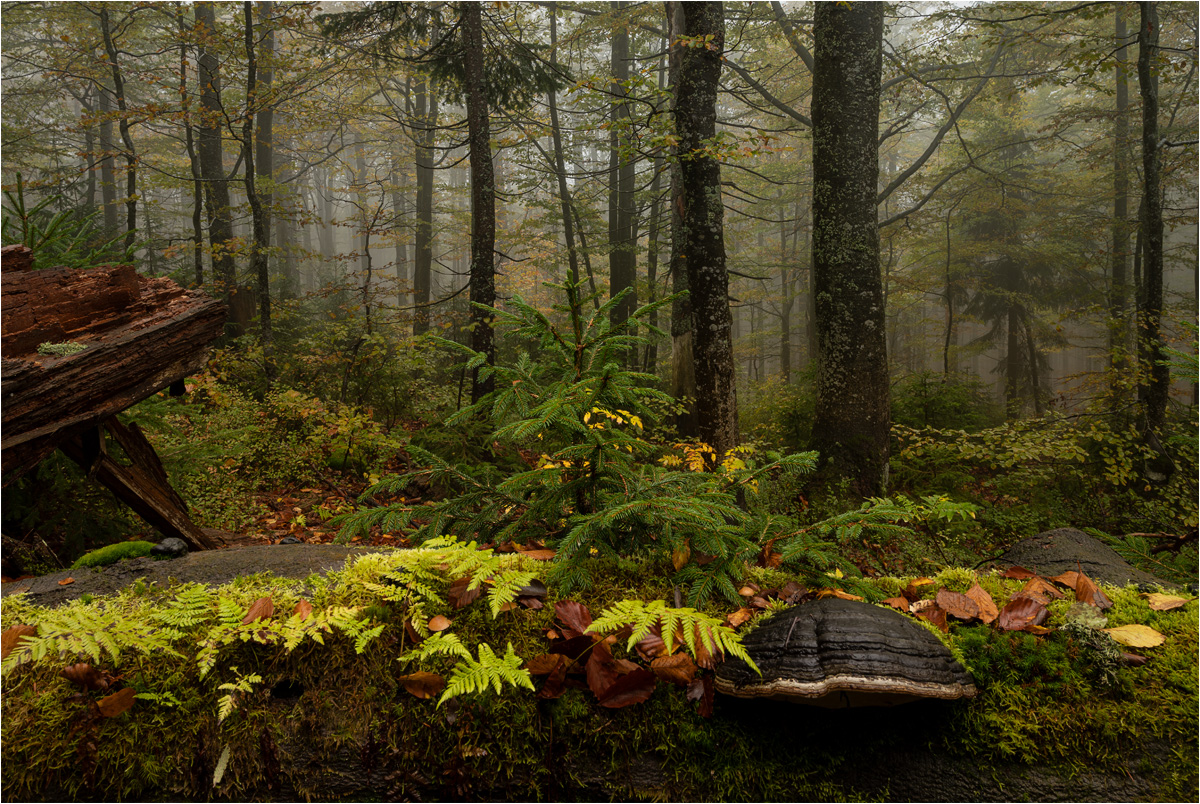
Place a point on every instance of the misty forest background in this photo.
(985, 305)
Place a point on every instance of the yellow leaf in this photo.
(1159, 602)
(1136, 636)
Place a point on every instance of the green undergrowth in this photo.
(312, 708)
(112, 553)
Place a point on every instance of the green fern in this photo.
(490, 670)
(440, 644)
(695, 628)
(243, 685)
(192, 607)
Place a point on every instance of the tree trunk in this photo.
(683, 375)
(852, 421)
(193, 161)
(131, 195)
(1118, 305)
(257, 146)
(1154, 392)
(703, 213)
(786, 297)
(212, 167)
(560, 168)
(108, 186)
(483, 198)
(427, 112)
(622, 257)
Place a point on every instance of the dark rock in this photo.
(170, 548)
(840, 653)
(1057, 551)
(290, 540)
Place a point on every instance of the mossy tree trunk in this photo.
(698, 40)
(852, 409)
(483, 196)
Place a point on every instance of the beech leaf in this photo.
(957, 604)
(677, 669)
(84, 675)
(118, 702)
(575, 616)
(630, 689)
(899, 603)
(1021, 613)
(1087, 592)
(987, 606)
(459, 595)
(1136, 636)
(303, 610)
(1039, 589)
(936, 615)
(261, 609)
(12, 636)
(1017, 573)
(740, 616)
(423, 685)
(1160, 602)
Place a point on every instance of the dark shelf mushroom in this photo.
(839, 653)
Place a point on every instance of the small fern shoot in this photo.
(472, 676)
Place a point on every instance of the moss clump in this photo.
(112, 553)
(60, 349)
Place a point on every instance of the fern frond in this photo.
(490, 670)
(439, 644)
(693, 626)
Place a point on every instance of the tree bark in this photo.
(622, 256)
(1118, 305)
(683, 375)
(212, 167)
(560, 168)
(426, 113)
(483, 198)
(131, 195)
(702, 213)
(257, 149)
(108, 186)
(1154, 391)
(852, 421)
(193, 161)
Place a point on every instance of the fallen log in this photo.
(136, 336)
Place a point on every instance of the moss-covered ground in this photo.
(326, 721)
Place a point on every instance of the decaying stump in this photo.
(141, 335)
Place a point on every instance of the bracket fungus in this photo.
(839, 653)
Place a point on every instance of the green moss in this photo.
(112, 553)
(343, 714)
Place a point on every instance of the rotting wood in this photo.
(142, 335)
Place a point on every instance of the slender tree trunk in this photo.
(483, 198)
(86, 110)
(683, 375)
(190, 146)
(254, 148)
(560, 168)
(1154, 392)
(786, 298)
(1119, 331)
(426, 113)
(212, 168)
(852, 422)
(703, 213)
(108, 186)
(622, 259)
(131, 195)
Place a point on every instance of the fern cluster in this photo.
(594, 488)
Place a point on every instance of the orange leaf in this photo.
(681, 555)
(936, 615)
(828, 592)
(537, 555)
(423, 685)
(459, 595)
(303, 610)
(66, 581)
(957, 604)
(913, 590)
(439, 623)
(1017, 573)
(898, 603)
(1067, 579)
(10, 638)
(262, 609)
(118, 702)
(677, 669)
(1039, 589)
(740, 616)
(1087, 592)
(545, 664)
(987, 606)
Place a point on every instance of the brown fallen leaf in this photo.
(1067, 579)
(957, 605)
(538, 555)
(460, 595)
(935, 615)
(411, 633)
(261, 609)
(600, 670)
(1020, 613)
(423, 685)
(556, 680)
(899, 603)
(681, 555)
(1132, 659)
(439, 623)
(740, 616)
(12, 636)
(630, 689)
(1161, 602)
(701, 690)
(118, 702)
(84, 675)
(1017, 574)
(66, 581)
(1136, 636)
(677, 669)
(759, 602)
(987, 606)
(575, 616)
(1086, 591)
(1039, 589)
(544, 664)
(302, 610)
(651, 645)
(838, 593)
(534, 603)
(792, 592)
